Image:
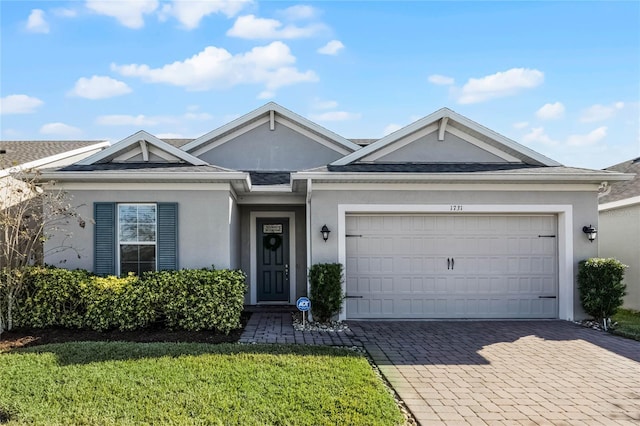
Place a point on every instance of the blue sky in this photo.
(562, 78)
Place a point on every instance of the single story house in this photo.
(443, 218)
(619, 227)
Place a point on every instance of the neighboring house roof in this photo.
(626, 190)
(439, 121)
(177, 142)
(20, 153)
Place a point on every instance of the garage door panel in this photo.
(503, 268)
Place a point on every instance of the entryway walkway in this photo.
(489, 372)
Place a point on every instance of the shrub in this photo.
(53, 297)
(326, 290)
(188, 299)
(199, 299)
(601, 288)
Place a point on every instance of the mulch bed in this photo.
(23, 337)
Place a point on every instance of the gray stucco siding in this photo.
(203, 227)
(619, 237)
(324, 209)
(262, 149)
(428, 149)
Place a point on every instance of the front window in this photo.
(137, 238)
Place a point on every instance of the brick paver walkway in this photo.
(489, 372)
(507, 372)
(277, 327)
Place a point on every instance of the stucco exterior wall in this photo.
(619, 237)
(429, 149)
(324, 209)
(203, 226)
(279, 149)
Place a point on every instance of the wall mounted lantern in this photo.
(325, 233)
(590, 231)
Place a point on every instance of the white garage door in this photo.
(451, 266)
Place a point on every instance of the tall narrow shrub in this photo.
(326, 290)
(601, 288)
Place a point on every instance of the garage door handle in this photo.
(453, 263)
(448, 263)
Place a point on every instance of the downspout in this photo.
(308, 218)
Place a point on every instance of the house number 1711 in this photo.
(456, 208)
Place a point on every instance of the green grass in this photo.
(628, 323)
(108, 383)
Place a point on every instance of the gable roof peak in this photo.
(142, 135)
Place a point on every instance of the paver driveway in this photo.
(507, 372)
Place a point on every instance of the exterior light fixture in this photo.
(325, 233)
(590, 231)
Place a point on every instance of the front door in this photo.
(272, 259)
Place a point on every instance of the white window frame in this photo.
(140, 243)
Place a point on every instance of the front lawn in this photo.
(628, 323)
(106, 383)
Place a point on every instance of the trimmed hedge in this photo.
(601, 288)
(326, 296)
(204, 299)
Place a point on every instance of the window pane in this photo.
(125, 268)
(128, 232)
(147, 214)
(146, 232)
(129, 253)
(128, 214)
(147, 253)
(146, 267)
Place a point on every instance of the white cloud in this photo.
(250, 27)
(335, 116)
(128, 13)
(538, 135)
(19, 104)
(393, 127)
(37, 23)
(590, 138)
(190, 13)
(299, 12)
(599, 112)
(331, 48)
(60, 129)
(144, 120)
(521, 124)
(127, 120)
(216, 68)
(99, 87)
(551, 111)
(65, 13)
(499, 85)
(441, 80)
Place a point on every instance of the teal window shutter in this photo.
(167, 236)
(104, 257)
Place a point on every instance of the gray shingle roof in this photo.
(626, 189)
(429, 167)
(177, 142)
(270, 178)
(143, 168)
(363, 142)
(21, 152)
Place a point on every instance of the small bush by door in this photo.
(601, 288)
(326, 290)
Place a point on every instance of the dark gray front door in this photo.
(273, 259)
